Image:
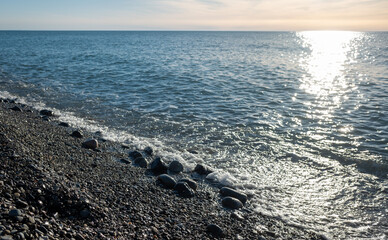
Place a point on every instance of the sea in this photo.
(297, 120)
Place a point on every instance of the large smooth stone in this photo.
(175, 166)
(229, 192)
(214, 230)
(14, 213)
(192, 184)
(134, 154)
(202, 170)
(157, 166)
(231, 202)
(46, 112)
(141, 162)
(77, 134)
(148, 151)
(166, 180)
(184, 190)
(90, 144)
(16, 108)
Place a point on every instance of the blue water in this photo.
(298, 120)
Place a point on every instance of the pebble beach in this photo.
(57, 184)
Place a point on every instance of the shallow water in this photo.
(297, 120)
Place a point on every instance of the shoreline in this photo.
(65, 191)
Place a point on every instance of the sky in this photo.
(237, 15)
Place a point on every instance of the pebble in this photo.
(16, 108)
(6, 237)
(141, 162)
(14, 213)
(21, 204)
(77, 134)
(214, 230)
(236, 216)
(192, 184)
(229, 192)
(231, 202)
(84, 213)
(175, 166)
(157, 166)
(184, 190)
(46, 112)
(202, 170)
(166, 180)
(134, 154)
(90, 144)
(31, 219)
(148, 150)
(64, 124)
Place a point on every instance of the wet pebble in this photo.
(157, 166)
(134, 154)
(84, 213)
(141, 162)
(6, 237)
(90, 144)
(166, 180)
(76, 134)
(16, 108)
(192, 184)
(14, 213)
(231, 202)
(21, 204)
(184, 190)
(64, 124)
(148, 150)
(214, 230)
(236, 216)
(46, 112)
(175, 166)
(229, 192)
(202, 170)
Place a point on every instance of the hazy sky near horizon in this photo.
(361, 15)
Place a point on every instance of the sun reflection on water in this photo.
(324, 64)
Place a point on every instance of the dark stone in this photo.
(123, 160)
(21, 204)
(77, 134)
(231, 202)
(148, 150)
(134, 154)
(46, 118)
(16, 108)
(192, 184)
(157, 166)
(166, 180)
(14, 213)
(46, 112)
(184, 190)
(90, 144)
(175, 166)
(43, 229)
(6, 237)
(229, 192)
(214, 230)
(141, 162)
(236, 216)
(64, 124)
(84, 213)
(202, 170)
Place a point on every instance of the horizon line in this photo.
(186, 30)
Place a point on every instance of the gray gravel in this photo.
(66, 191)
